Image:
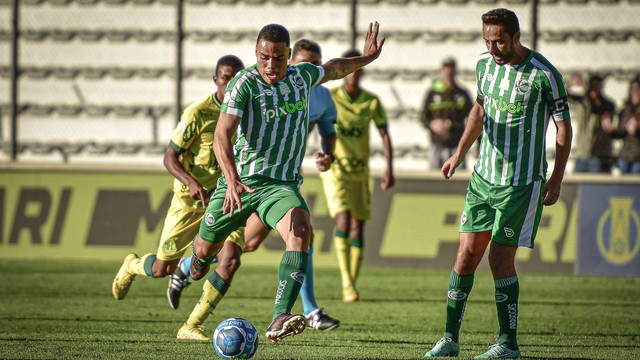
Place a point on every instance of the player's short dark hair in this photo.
(504, 17)
(305, 45)
(351, 53)
(274, 33)
(229, 60)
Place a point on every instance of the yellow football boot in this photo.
(123, 280)
(191, 332)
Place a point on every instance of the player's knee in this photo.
(203, 249)
(301, 230)
(343, 222)
(467, 261)
(252, 242)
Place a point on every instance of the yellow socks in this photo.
(343, 247)
(357, 254)
(143, 265)
(213, 291)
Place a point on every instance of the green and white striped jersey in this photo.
(518, 101)
(272, 136)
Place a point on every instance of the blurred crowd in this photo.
(606, 139)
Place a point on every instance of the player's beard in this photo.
(505, 57)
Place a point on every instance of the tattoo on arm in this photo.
(341, 67)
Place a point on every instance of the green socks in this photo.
(291, 273)
(457, 296)
(507, 293)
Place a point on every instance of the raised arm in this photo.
(341, 67)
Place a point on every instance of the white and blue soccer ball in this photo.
(235, 338)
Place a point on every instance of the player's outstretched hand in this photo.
(372, 47)
(232, 199)
(323, 161)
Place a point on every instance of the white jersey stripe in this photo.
(526, 232)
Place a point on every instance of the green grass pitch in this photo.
(64, 310)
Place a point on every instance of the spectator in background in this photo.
(444, 112)
(594, 149)
(629, 158)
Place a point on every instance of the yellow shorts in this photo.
(353, 196)
(182, 224)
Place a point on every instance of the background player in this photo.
(518, 90)
(189, 158)
(346, 184)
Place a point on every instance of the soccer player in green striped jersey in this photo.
(518, 92)
(266, 105)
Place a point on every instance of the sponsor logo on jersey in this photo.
(463, 218)
(286, 109)
(345, 131)
(298, 276)
(209, 219)
(509, 232)
(500, 297)
(352, 165)
(456, 295)
(516, 108)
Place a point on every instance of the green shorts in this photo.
(512, 213)
(271, 201)
(180, 226)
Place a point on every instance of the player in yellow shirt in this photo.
(191, 160)
(346, 184)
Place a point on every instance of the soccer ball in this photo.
(235, 338)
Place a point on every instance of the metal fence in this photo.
(101, 81)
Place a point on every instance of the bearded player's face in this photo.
(499, 43)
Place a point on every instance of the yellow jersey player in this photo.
(190, 159)
(346, 184)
